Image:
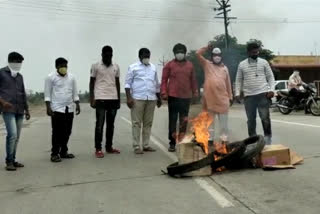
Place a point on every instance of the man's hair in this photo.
(15, 56)
(107, 49)
(252, 45)
(179, 47)
(144, 51)
(61, 61)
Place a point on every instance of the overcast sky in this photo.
(43, 30)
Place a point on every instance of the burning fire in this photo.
(200, 127)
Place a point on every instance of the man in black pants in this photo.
(178, 86)
(60, 94)
(105, 98)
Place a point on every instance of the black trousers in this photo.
(106, 111)
(178, 108)
(61, 131)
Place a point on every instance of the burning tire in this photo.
(254, 145)
(176, 170)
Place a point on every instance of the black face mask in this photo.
(254, 57)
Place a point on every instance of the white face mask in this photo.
(15, 68)
(217, 59)
(180, 56)
(146, 61)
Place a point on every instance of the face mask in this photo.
(217, 59)
(63, 71)
(146, 61)
(15, 68)
(180, 56)
(254, 57)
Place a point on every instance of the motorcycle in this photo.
(309, 101)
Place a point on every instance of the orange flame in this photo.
(200, 128)
(221, 148)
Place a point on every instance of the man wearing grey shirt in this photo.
(256, 80)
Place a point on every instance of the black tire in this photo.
(176, 170)
(285, 102)
(314, 107)
(254, 146)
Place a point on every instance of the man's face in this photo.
(107, 58)
(62, 69)
(145, 58)
(254, 53)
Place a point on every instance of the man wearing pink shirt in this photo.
(178, 86)
(217, 89)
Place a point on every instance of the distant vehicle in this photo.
(309, 102)
(280, 85)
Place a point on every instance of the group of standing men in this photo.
(144, 92)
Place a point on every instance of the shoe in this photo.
(149, 149)
(99, 154)
(172, 148)
(138, 151)
(67, 156)
(10, 167)
(113, 151)
(18, 165)
(55, 158)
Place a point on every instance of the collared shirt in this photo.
(12, 90)
(143, 81)
(178, 79)
(105, 85)
(254, 77)
(61, 92)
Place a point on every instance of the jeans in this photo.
(106, 110)
(178, 107)
(13, 123)
(261, 103)
(61, 131)
(223, 125)
(142, 115)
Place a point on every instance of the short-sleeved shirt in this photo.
(105, 85)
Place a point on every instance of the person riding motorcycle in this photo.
(296, 90)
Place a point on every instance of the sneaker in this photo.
(55, 158)
(138, 151)
(149, 149)
(67, 156)
(113, 151)
(18, 165)
(10, 167)
(99, 154)
(172, 148)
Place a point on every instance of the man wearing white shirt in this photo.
(60, 94)
(143, 94)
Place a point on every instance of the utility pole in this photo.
(224, 5)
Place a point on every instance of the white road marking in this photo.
(217, 196)
(294, 123)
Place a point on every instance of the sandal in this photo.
(138, 151)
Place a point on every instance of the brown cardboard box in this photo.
(275, 156)
(187, 152)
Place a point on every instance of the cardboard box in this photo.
(187, 152)
(275, 156)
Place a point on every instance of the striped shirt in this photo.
(254, 77)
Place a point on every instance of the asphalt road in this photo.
(130, 184)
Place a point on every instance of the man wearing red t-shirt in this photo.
(178, 86)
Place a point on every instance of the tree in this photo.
(231, 56)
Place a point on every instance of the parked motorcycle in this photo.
(309, 101)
